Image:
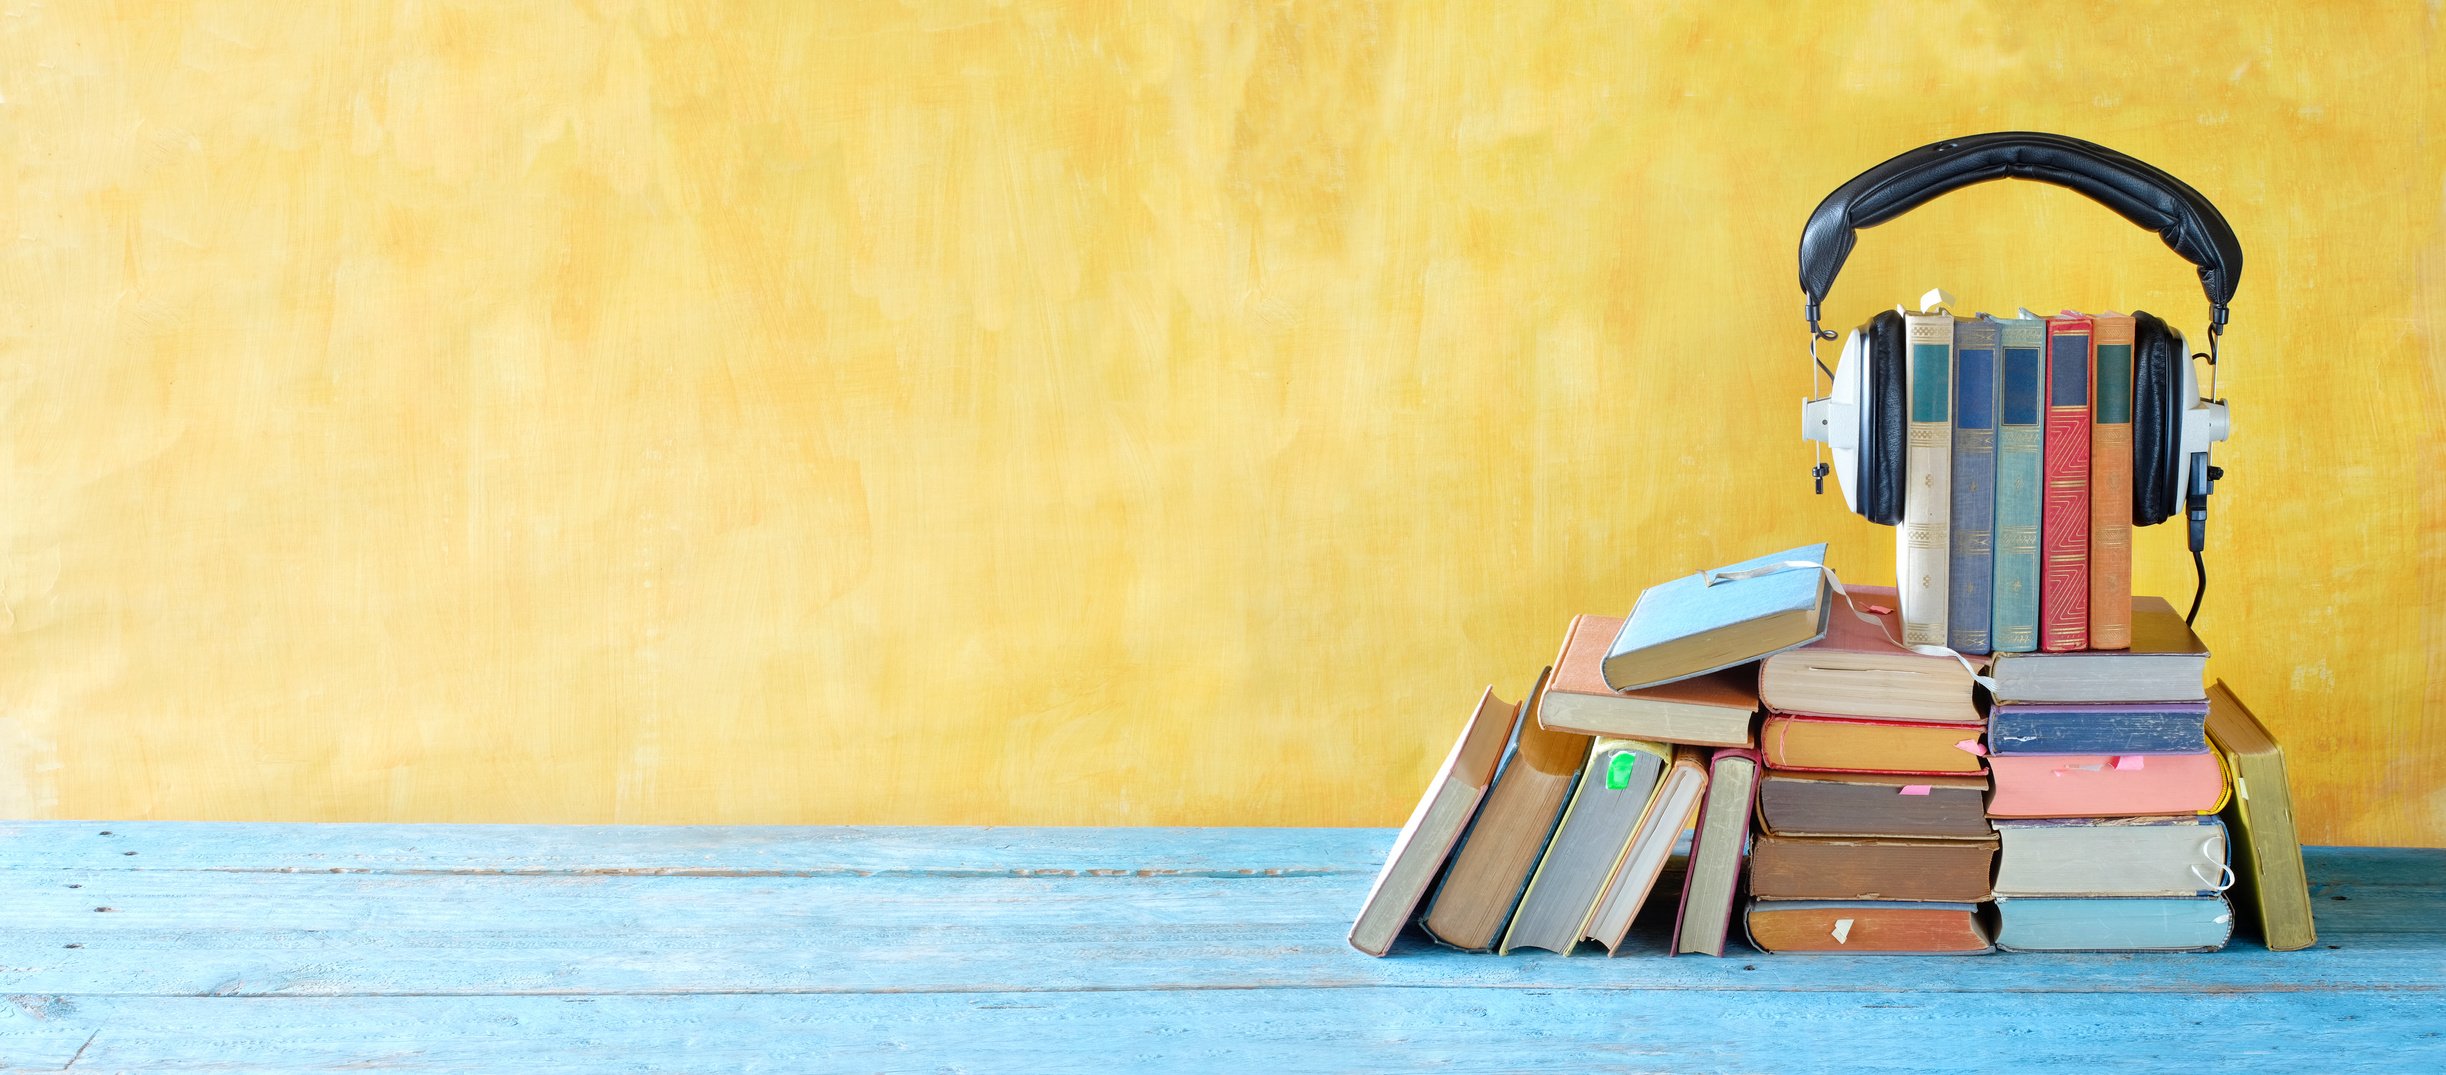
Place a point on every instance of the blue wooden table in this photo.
(194, 947)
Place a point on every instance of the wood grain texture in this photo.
(517, 948)
(1081, 413)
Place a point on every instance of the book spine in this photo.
(2110, 486)
(1921, 554)
(1973, 513)
(2020, 406)
(2063, 591)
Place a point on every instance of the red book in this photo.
(2063, 525)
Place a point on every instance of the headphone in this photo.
(1862, 418)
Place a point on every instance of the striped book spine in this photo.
(2063, 529)
(1972, 567)
(1921, 553)
(2110, 486)
(2021, 393)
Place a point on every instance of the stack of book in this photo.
(2105, 794)
(1850, 775)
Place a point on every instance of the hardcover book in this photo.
(2124, 856)
(1643, 861)
(2268, 874)
(1858, 670)
(1921, 544)
(2021, 394)
(2098, 785)
(1614, 792)
(1509, 835)
(1712, 883)
(1715, 709)
(2063, 590)
(1973, 515)
(1798, 742)
(2110, 485)
(2114, 924)
(1714, 620)
(1867, 927)
(1874, 805)
(1870, 868)
(1427, 839)
(2164, 661)
(2098, 728)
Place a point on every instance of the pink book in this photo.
(2101, 785)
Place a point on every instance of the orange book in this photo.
(1867, 926)
(1853, 745)
(1716, 709)
(2110, 484)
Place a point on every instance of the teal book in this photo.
(1710, 621)
(1973, 522)
(2020, 429)
(2114, 924)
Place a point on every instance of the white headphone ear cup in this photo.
(2204, 422)
(1850, 389)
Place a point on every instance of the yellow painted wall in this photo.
(1099, 413)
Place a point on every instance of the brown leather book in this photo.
(1426, 841)
(1860, 670)
(1504, 843)
(2110, 484)
(1868, 927)
(1716, 709)
(1871, 868)
(1848, 744)
(1874, 805)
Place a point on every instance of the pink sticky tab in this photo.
(1875, 610)
(1915, 789)
(1971, 746)
(2130, 761)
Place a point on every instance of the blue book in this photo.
(1974, 484)
(1706, 622)
(2114, 924)
(2106, 728)
(2020, 431)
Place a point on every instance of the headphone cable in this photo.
(2199, 567)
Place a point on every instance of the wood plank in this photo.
(1371, 1029)
(206, 932)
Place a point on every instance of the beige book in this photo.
(1427, 839)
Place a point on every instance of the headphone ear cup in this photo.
(1885, 428)
(2157, 419)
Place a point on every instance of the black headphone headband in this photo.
(2143, 193)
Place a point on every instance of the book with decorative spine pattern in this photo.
(1973, 514)
(1922, 553)
(2063, 528)
(2110, 484)
(2021, 393)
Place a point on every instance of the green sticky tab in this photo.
(1618, 771)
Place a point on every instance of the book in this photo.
(1859, 670)
(2099, 785)
(2124, 856)
(1870, 868)
(1921, 556)
(2020, 430)
(2097, 728)
(2110, 483)
(1614, 792)
(1427, 839)
(1804, 743)
(1712, 883)
(1505, 840)
(1972, 525)
(2164, 662)
(1705, 622)
(1867, 927)
(2268, 877)
(2114, 924)
(1715, 709)
(1874, 805)
(2063, 526)
(1643, 861)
